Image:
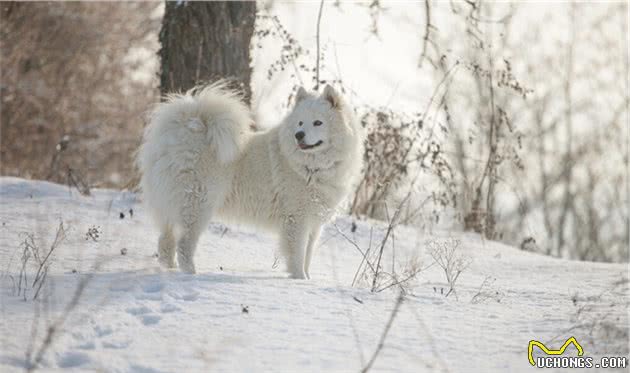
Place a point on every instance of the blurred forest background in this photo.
(505, 119)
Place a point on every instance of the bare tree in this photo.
(204, 41)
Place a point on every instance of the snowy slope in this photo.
(134, 317)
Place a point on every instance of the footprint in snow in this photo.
(102, 331)
(153, 287)
(151, 319)
(142, 369)
(188, 296)
(168, 308)
(90, 345)
(122, 286)
(138, 310)
(73, 359)
(116, 345)
(151, 291)
(144, 314)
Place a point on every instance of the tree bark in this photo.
(205, 41)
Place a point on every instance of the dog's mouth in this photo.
(305, 146)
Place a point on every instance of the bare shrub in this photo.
(372, 270)
(486, 292)
(398, 145)
(502, 142)
(388, 137)
(447, 255)
(74, 85)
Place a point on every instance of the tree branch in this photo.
(427, 30)
(319, 21)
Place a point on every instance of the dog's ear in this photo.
(300, 95)
(331, 95)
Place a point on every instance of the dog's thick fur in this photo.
(200, 162)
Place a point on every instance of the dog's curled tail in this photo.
(211, 116)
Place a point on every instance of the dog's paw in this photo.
(167, 262)
(187, 266)
(297, 276)
(190, 269)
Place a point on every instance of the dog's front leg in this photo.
(293, 243)
(310, 248)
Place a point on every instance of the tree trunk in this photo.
(206, 41)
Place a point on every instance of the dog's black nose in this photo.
(299, 135)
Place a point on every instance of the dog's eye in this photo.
(317, 123)
(300, 124)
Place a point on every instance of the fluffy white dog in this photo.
(200, 162)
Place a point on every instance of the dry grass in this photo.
(33, 256)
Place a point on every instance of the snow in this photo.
(241, 313)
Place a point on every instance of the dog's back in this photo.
(187, 147)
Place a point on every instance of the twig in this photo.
(25, 257)
(75, 179)
(59, 237)
(319, 21)
(381, 343)
(355, 246)
(427, 30)
(279, 29)
(198, 69)
(390, 229)
(367, 252)
(400, 282)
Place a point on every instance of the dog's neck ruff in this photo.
(313, 171)
(310, 172)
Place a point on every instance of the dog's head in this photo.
(321, 136)
(317, 124)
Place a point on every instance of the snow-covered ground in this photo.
(241, 313)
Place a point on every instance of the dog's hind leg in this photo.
(194, 215)
(166, 247)
(310, 248)
(293, 243)
(186, 246)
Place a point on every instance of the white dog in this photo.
(200, 162)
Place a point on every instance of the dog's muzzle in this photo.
(305, 146)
